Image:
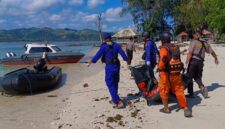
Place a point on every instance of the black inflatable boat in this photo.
(29, 81)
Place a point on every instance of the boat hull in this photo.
(28, 81)
(51, 58)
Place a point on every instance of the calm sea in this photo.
(18, 48)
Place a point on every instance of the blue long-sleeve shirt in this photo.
(104, 49)
(151, 51)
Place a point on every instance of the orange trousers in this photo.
(172, 83)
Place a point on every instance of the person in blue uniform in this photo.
(109, 51)
(150, 50)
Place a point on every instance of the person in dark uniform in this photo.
(150, 51)
(129, 49)
(109, 52)
(195, 63)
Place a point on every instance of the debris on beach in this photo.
(85, 85)
(116, 118)
(110, 119)
(137, 101)
(60, 126)
(135, 113)
(97, 127)
(99, 99)
(109, 126)
(57, 118)
(129, 103)
(96, 100)
(121, 123)
(101, 115)
(52, 96)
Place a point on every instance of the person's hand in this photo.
(148, 63)
(128, 67)
(89, 63)
(216, 61)
(185, 66)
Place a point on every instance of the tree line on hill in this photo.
(48, 34)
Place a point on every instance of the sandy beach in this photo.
(89, 107)
(73, 106)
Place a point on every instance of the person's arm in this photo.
(162, 59)
(134, 49)
(190, 52)
(210, 50)
(97, 56)
(189, 56)
(215, 57)
(122, 53)
(148, 51)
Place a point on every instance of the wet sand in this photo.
(38, 111)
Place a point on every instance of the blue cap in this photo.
(106, 36)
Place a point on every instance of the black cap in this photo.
(146, 34)
(165, 37)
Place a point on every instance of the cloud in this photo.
(21, 7)
(95, 3)
(58, 14)
(39, 4)
(113, 15)
(75, 2)
(55, 17)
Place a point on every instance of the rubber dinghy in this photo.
(28, 81)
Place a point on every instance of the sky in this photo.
(74, 14)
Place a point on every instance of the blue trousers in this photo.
(112, 78)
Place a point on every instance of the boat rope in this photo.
(30, 87)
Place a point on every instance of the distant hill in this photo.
(48, 34)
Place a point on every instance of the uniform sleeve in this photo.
(148, 51)
(122, 53)
(98, 55)
(163, 58)
(191, 46)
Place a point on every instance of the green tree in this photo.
(149, 15)
(216, 15)
(191, 14)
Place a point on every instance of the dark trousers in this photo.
(112, 78)
(129, 55)
(195, 70)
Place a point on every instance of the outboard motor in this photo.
(40, 66)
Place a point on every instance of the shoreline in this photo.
(38, 111)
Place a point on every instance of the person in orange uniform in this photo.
(170, 77)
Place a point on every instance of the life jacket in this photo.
(113, 60)
(174, 65)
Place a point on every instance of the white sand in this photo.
(88, 108)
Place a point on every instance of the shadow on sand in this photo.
(197, 99)
(191, 101)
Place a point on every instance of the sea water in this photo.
(18, 49)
